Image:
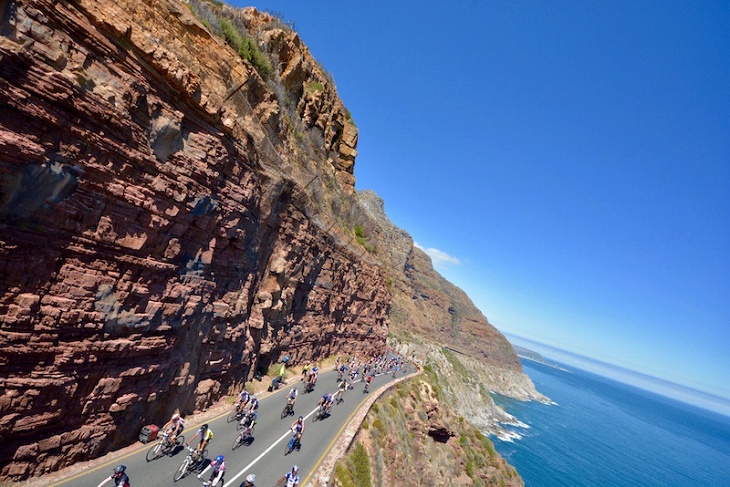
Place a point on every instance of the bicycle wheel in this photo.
(183, 470)
(232, 415)
(285, 412)
(155, 452)
(237, 442)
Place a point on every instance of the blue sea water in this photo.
(604, 433)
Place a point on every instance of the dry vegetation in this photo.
(412, 437)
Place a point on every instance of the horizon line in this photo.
(638, 375)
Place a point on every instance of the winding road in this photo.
(264, 456)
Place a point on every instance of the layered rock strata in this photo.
(158, 237)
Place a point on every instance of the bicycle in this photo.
(367, 388)
(164, 447)
(246, 422)
(322, 412)
(294, 442)
(236, 413)
(288, 410)
(245, 436)
(193, 459)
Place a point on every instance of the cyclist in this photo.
(206, 434)
(367, 382)
(291, 398)
(243, 398)
(119, 477)
(298, 427)
(341, 372)
(219, 468)
(254, 403)
(291, 478)
(249, 481)
(313, 376)
(325, 401)
(174, 427)
(249, 419)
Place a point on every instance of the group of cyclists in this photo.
(246, 411)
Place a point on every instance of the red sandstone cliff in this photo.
(173, 216)
(160, 232)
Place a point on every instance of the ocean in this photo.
(605, 433)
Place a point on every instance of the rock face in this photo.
(160, 236)
(428, 308)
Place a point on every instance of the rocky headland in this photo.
(178, 210)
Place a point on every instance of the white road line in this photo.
(286, 435)
(255, 460)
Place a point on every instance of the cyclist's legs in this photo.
(202, 445)
(175, 432)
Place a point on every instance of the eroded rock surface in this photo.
(156, 241)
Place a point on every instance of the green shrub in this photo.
(315, 86)
(361, 466)
(343, 475)
(470, 469)
(379, 426)
(348, 117)
(360, 237)
(246, 47)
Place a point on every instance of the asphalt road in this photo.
(264, 456)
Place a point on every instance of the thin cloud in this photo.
(438, 257)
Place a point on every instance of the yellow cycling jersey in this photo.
(208, 435)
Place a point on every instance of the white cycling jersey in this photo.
(292, 480)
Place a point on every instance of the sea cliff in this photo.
(177, 210)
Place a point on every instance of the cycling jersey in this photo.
(299, 427)
(207, 435)
(292, 479)
(218, 467)
(250, 419)
(122, 481)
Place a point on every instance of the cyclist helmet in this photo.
(219, 459)
(251, 478)
(204, 427)
(255, 396)
(295, 468)
(175, 417)
(119, 469)
(301, 418)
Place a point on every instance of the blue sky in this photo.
(570, 161)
